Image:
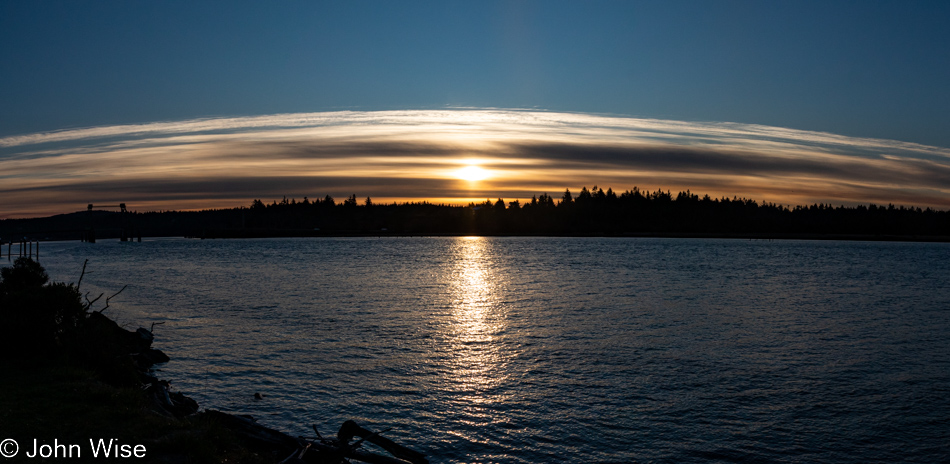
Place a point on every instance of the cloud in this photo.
(412, 154)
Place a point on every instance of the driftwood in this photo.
(349, 429)
(317, 450)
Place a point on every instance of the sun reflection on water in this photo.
(478, 322)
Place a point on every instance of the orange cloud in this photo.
(415, 155)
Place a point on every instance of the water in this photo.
(532, 350)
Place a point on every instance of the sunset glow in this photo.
(794, 104)
(423, 155)
(508, 231)
(472, 173)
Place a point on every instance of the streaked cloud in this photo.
(413, 155)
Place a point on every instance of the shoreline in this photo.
(256, 234)
(237, 234)
(66, 409)
(76, 382)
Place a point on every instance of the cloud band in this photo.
(412, 155)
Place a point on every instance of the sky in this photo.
(193, 105)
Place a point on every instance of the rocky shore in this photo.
(77, 385)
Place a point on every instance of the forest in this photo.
(590, 212)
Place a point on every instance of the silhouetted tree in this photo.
(566, 199)
(25, 275)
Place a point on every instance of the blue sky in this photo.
(857, 69)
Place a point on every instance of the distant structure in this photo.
(121, 207)
(128, 229)
(25, 249)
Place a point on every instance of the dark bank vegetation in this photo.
(588, 212)
(71, 375)
(54, 323)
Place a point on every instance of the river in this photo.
(534, 350)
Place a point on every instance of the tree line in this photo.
(588, 212)
(598, 212)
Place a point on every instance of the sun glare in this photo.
(471, 173)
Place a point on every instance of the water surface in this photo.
(530, 350)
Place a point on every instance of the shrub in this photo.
(39, 319)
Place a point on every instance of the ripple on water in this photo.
(527, 350)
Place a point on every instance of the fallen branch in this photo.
(109, 298)
(83, 274)
(89, 303)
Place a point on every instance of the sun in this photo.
(471, 173)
